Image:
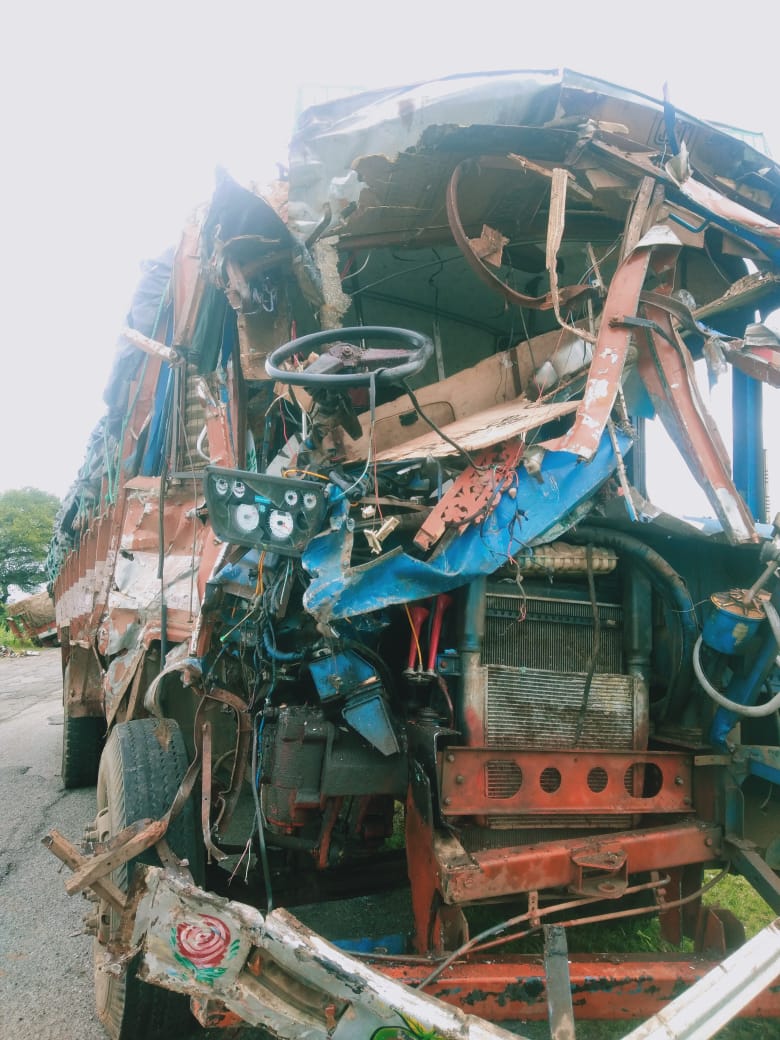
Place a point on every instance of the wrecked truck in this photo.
(388, 670)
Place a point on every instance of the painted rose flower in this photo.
(205, 943)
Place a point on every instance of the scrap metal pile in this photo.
(363, 556)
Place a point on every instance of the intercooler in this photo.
(536, 653)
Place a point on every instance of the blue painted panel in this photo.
(338, 590)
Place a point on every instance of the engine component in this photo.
(306, 760)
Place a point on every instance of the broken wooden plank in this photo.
(136, 840)
(69, 855)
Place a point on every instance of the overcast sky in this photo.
(116, 115)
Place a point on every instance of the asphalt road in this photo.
(46, 974)
(45, 959)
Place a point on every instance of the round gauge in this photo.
(310, 500)
(246, 517)
(280, 524)
(291, 497)
(239, 489)
(221, 486)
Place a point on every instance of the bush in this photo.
(12, 641)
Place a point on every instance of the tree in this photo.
(26, 528)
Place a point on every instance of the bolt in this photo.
(708, 842)
(679, 781)
(450, 757)
(448, 801)
(460, 779)
(686, 801)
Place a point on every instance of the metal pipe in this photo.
(474, 698)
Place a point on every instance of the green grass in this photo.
(9, 639)
(738, 895)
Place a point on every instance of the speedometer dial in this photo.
(247, 517)
(280, 524)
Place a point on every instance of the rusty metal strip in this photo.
(221, 450)
(205, 802)
(551, 864)
(151, 346)
(604, 986)
(474, 493)
(760, 368)
(666, 370)
(556, 222)
(556, 970)
(475, 261)
(130, 842)
(134, 669)
(229, 798)
(609, 355)
(637, 215)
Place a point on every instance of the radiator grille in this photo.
(553, 634)
(534, 709)
(537, 651)
(529, 708)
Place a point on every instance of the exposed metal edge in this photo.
(714, 1000)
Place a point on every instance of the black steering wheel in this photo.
(386, 366)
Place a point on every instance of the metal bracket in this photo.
(556, 965)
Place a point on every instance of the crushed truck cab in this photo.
(361, 590)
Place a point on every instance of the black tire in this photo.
(82, 742)
(141, 768)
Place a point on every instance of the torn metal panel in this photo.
(337, 590)
(667, 371)
(275, 973)
(495, 425)
(474, 493)
(495, 380)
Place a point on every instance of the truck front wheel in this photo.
(141, 768)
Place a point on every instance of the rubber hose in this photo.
(672, 588)
(280, 655)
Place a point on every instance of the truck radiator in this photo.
(536, 651)
(550, 633)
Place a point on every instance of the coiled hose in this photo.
(751, 711)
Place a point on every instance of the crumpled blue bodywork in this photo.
(539, 507)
